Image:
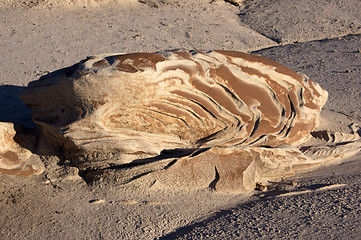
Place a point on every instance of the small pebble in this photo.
(293, 183)
(97, 201)
(261, 187)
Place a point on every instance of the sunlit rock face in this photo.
(233, 169)
(111, 110)
(15, 160)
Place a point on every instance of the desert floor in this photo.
(321, 39)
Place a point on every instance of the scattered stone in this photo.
(261, 187)
(126, 202)
(14, 159)
(97, 201)
(235, 2)
(293, 183)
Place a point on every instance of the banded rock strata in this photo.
(108, 111)
(14, 159)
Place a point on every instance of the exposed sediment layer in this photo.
(220, 119)
(136, 105)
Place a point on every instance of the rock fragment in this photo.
(14, 159)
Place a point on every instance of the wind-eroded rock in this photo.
(15, 160)
(232, 169)
(113, 110)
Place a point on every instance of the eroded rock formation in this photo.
(229, 113)
(136, 105)
(15, 160)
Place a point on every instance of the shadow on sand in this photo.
(12, 109)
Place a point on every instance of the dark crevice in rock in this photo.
(213, 184)
(323, 135)
(170, 164)
(136, 177)
(199, 151)
(209, 138)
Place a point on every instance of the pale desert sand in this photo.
(319, 39)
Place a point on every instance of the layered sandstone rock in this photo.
(15, 160)
(109, 111)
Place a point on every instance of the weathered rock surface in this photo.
(229, 114)
(232, 169)
(15, 160)
(140, 104)
(240, 168)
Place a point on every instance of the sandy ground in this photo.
(321, 39)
